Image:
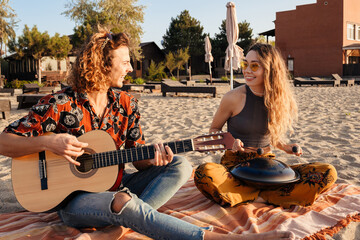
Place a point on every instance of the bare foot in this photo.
(108, 233)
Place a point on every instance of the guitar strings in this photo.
(112, 157)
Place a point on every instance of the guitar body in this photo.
(63, 178)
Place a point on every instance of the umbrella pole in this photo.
(210, 73)
(231, 74)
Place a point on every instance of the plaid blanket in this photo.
(332, 211)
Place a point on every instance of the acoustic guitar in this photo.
(41, 181)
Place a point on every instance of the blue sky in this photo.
(46, 14)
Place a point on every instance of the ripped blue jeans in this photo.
(149, 190)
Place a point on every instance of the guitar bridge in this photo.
(42, 171)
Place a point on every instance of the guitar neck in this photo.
(117, 157)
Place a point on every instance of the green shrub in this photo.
(156, 71)
(139, 81)
(173, 78)
(158, 77)
(128, 79)
(18, 84)
(224, 78)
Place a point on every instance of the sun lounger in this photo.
(48, 90)
(217, 80)
(316, 78)
(299, 81)
(347, 82)
(5, 107)
(32, 93)
(10, 91)
(174, 86)
(140, 88)
(30, 88)
(28, 100)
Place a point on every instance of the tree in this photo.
(245, 35)
(170, 62)
(177, 60)
(7, 24)
(117, 15)
(59, 47)
(156, 71)
(220, 42)
(184, 31)
(33, 43)
(181, 58)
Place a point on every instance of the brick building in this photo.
(321, 38)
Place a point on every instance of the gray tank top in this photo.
(251, 124)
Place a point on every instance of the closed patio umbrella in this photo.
(208, 56)
(234, 53)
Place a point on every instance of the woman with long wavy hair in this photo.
(259, 115)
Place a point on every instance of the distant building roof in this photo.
(146, 43)
(354, 46)
(268, 33)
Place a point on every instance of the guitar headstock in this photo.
(213, 142)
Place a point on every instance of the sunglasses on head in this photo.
(254, 66)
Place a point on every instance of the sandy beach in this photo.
(328, 131)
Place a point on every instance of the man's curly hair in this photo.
(91, 70)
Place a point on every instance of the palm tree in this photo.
(181, 58)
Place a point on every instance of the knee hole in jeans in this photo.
(120, 199)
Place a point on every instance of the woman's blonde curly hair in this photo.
(91, 70)
(279, 98)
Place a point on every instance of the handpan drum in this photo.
(265, 173)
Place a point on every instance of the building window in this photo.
(290, 63)
(358, 32)
(350, 31)
(354, 60)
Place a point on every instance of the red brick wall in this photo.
(312, 35)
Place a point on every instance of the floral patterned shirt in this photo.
(70, 112)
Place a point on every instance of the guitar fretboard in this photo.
(136, 154)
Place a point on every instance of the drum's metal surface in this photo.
(265, 172)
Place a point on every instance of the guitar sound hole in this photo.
(86, 163)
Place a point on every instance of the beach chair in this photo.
(347, 82)
(28, 100)
(30, 88)
(169, 85)
(32, 93)
(47, 90)
(316, 78)
(7, 91)
(299, 81)
(216, 80)
(5, 107)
